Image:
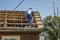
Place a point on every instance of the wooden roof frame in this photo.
(38, 20)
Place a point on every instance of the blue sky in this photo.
(45, 7)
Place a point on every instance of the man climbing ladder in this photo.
(29, 16)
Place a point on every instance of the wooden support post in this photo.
(5, 24)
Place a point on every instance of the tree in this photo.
(52, 27)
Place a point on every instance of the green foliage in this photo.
(52, 26)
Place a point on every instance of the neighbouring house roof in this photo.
(15, 20)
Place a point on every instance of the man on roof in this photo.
(29, 16)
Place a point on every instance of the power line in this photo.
(18, 5)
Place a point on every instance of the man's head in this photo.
(30, 8)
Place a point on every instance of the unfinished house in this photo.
(12, 26)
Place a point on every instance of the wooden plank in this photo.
(22, 23)
(39, 22)
(2, 13)
(37, 16)
(5, 25)
(37, 19)
(40, 26)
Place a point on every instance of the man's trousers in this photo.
(29, 18)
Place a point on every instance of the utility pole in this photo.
(54, 9)
(56, 20)
(57, 11)
(58, 24)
